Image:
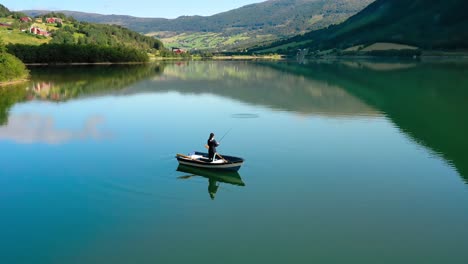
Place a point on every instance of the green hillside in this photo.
(426, 24)
(238, 28)
(11, 68)
(67, 30)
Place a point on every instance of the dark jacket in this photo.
(212, 144)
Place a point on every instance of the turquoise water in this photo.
(346, 162)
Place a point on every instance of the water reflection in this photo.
(241, 81)
(34, 128)
(214, 178)
(426, 101)
(68, 82)
(9, 96)
(244, 115)
(259, 85)
(64, 83)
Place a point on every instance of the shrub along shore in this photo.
(12, 70)
(72, 53)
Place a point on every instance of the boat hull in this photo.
(233, 163)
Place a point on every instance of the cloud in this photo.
(34, 128)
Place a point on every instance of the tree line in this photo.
(71, 53)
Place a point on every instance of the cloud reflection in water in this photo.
(34, 128)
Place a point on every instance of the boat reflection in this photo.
(214, 177)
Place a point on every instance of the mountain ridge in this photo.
(235, 28)
(424, 24)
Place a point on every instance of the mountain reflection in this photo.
(427, 101)
(256, 84)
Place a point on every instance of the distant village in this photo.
(34, 28)
(47, 25)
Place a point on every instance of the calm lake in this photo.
(346, 162)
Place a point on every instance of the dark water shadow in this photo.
(214, 177)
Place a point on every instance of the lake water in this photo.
(346, 162)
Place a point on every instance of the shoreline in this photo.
(422, 57)
(223, 57)
(13, 82)
(83, 63)
(249, 57)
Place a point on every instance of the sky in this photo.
(139, 8)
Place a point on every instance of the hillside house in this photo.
(39, 31)
(5, 25)
(178, 50)
(26, 19)
(52, 20)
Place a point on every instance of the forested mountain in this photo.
(427, 24)
(271, 19)
(277, 17)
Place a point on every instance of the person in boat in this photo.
(212, 144)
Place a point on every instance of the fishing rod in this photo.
(225, 134)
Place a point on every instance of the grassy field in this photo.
(207, 40)
(18, 37)
(196, 41)
(15, 36)
(315, 19)
(380, 46)
(387, 46)
(290, 45)
(78, 35)
(5, 20)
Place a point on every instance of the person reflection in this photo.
(212, 187)
(215, 178)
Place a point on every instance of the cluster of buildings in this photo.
(50, 20)
(37, 30)
(34, 29)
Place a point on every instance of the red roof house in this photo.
(51, 20)
(25, 19)
(38, 31)
(178, 50)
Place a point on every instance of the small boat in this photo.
(201, 160)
